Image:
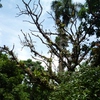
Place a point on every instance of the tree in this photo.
(64, 11)
(90, 13)
(16, 84)
(11, 77)
(71, 46)
(34, 76)
(75, 38)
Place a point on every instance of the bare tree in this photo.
(75, 40)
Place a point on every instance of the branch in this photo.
(27, 70)
(10, 52)
(51, 16)
(35, 18)
(40, 39)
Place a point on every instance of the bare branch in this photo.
(69, 35)
(40, 9)
(28, 21)
(75, 36)
(51, 16)
(10, 52)
(40, 38)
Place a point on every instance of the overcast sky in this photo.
(10, 25)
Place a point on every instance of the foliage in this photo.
(64, 10)
(11, 77)
(90, 13)
(18, 85)
(37, 91)
(80, 85)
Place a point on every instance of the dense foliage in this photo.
(80, 85)
(83, 84)
(17, 85)
(37, 92)
(11, 77)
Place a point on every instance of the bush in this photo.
(80, 85)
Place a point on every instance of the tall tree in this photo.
(64, 11)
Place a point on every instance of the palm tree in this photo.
(64, 10)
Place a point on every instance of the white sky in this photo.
(10, 25)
